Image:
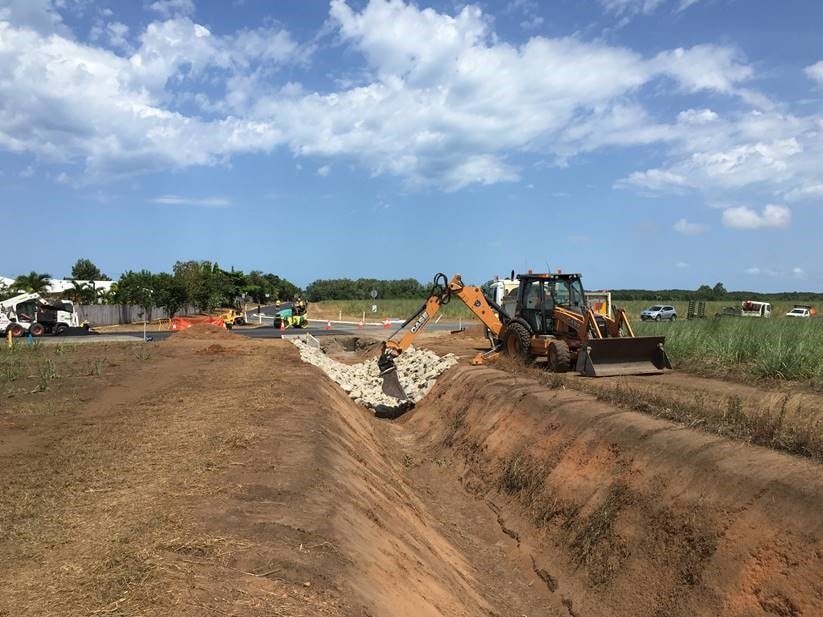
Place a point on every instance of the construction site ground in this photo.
(212, 474)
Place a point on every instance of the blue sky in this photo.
(644, 143)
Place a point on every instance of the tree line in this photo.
(201, 284)
(718, 292)
(206, 286)
(361, 289)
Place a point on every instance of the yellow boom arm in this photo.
(441, 293)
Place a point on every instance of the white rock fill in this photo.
(416, 369)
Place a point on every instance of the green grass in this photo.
(634, 307)
(400, 308)
(776, 348)
(396, 309)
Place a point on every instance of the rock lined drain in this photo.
(417, 370)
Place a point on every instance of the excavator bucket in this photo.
(636, 355)
(391, 383)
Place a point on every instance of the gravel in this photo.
(417, 370)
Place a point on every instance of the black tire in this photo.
(559, 358)
(37, 329)
(674, 318)
(60, 329)
(17, 329)
(657, 317)
(517, 341)
(240, 321)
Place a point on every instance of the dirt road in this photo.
(214, 475)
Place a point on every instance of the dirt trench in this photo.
(226, 477)
(223, 476)
(622, 513)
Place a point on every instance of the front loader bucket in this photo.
(637, 355)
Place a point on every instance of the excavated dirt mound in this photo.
(217, 349)
(203, 332)
(624, 514)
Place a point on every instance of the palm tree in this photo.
(82, 293)
(32, 282)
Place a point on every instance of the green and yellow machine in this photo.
(292, 316)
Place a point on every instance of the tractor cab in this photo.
(540, 294)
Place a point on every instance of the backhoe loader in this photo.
(551, 322)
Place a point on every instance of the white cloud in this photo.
(169, 8)
(654, 179)
(681, 265)
(795, 273)
(631, 8)
(815, 72)
(742, 217)
(39, 15)
(810, 191)
(696, 116)
(204, 202)
(27, 172)
(69, 102)
(441, 100)
(689, 229)
(532, 23)
(769, 151)
(704, 67)
(324, 170)
(114, 33)
(481, 169)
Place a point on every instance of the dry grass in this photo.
(779, 425)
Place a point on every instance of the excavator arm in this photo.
(441, 294)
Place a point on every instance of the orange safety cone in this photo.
(328, 325)
(360, 325)
(387, 323)
(282, 324)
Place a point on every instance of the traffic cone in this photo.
(360, 326)
(282, 324)
(387, 323)
(328, 325)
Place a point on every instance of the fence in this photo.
(113, 314)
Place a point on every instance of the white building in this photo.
(57, 286)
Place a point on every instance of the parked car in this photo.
(802, 311)
(658, 312)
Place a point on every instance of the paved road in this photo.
(261, 332)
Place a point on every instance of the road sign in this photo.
(373, 293)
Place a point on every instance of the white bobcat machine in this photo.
(30, 313)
